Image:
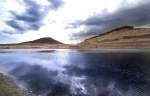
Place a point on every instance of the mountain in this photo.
(46, 40)
(123, 37)
(45, 43)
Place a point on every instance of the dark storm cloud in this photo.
(137, 16)
(31, 18)
(56, 3)
(15, 25)
(32, 13)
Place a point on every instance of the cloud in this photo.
(114, 74)
(56, 3)
(69, 21)
(31, 19)
(136, 16)
(5, 38)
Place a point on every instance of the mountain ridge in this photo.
(122, 37)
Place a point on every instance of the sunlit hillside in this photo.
(124, 37)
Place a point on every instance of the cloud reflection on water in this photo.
(80, 74)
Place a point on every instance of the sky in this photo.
(68, 21)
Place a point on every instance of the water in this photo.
(79, 72)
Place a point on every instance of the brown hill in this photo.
(45, 43)
(46, 40)
(123, 37)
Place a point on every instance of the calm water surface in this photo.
(79, 73)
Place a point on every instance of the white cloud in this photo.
(58, 23)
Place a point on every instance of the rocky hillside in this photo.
(124, 37)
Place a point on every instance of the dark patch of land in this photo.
(8, 87)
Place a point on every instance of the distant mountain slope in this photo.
(123, 37)
(46, 40)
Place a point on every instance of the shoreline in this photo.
(89, 50)
(8, 87)
(80, 46)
